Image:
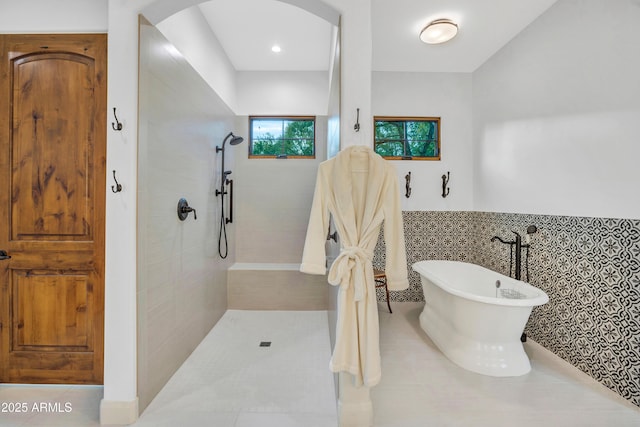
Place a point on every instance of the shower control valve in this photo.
(184, 209)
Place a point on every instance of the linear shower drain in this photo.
(265, 343)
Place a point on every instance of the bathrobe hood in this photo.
(359, 189)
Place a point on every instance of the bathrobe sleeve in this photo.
(396, 258)
(314, 254)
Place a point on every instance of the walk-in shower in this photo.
(223, 249)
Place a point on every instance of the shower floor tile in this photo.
(232, 377)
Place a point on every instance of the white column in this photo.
(355, 408)
(120, 402)
(356, 59)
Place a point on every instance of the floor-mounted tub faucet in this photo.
(518, 243)
(518, 246)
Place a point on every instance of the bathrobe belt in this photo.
(342, 271)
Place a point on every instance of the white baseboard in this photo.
(355, 408)
(118, 412)
(355, 414)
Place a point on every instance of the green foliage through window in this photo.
(282, 136)
(407, 138)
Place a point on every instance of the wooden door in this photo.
(52, 208)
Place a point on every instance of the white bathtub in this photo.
(474, 323)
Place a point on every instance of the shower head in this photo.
(235, 140)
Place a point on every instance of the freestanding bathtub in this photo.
(476, 316)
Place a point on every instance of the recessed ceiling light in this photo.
(275, 48)
(439, 31)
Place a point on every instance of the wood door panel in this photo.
(51, 146)
(69, 368)
(52, 207)
(51, 311)
(62, 256)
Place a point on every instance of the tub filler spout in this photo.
(494, 238)
(516, 246)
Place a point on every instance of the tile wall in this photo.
(182, 283)
(589, 267)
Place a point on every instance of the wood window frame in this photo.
(281, 117)
(410, 119)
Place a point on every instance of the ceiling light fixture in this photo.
(275, 48)
(439, 31)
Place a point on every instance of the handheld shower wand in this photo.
(223, 249)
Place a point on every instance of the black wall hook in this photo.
(356, 127)
(118, 187)
(445, 182)
(407, 178)
(117, 125)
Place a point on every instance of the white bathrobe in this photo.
(360, 190)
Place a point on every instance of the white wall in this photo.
(556, 115)
(182, 281)
(119, 404)
(42, 16)
(191, 34)
(356, 58)
(444, 95)
(283, 92)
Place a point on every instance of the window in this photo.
(407, 138)
(282, 137)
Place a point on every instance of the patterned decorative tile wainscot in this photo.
(589, 267)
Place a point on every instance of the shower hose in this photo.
(222, 235)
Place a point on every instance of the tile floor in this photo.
(420, 387)
(63, 405)
(230, 381)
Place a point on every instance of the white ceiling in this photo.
(248, 28)
(484, 27)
